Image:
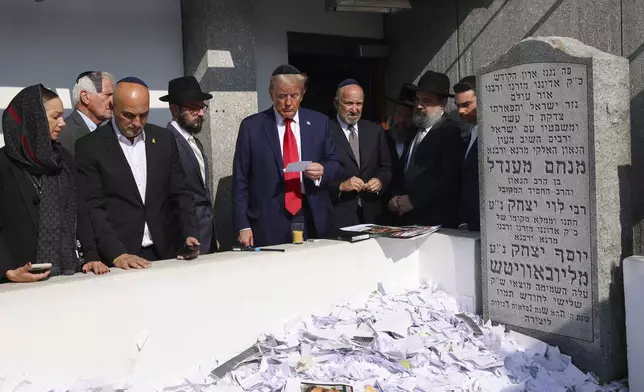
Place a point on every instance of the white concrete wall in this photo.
(274, 18)
(633, 294)
(461, 275)
(194, 312)
(53, 41)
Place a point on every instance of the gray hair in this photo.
(92, 83)
(291, 78)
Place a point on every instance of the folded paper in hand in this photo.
(296, 167)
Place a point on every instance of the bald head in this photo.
(131, 108)
(348, 102)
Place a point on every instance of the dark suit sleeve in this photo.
(90, 194)
(85, 234)
(334, 190)
(182, 199)
(66, 138)
(6, 263)
(433, 186)
(385, 171)
(84, 228)
(241, 173)
(331, 163)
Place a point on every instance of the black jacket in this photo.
(433, 178)
(75, 128)
(199, 190)
(19, 217)
(375, 162)
(469, 210)
(117, 212)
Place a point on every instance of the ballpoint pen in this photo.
(252, 249)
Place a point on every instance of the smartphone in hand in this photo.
(189, 252)
(40, 268)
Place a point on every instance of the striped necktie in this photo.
(195, 148)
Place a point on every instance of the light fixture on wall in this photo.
(379, 6)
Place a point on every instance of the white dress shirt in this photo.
(137, 159)
(345, 128)
(90, 124)
(475, 134)
(400, 148)
(295, 128)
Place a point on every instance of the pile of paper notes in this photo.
(419, 341)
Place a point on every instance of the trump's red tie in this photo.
(292, 186)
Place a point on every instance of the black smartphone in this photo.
(189, 252)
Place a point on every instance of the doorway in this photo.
(327, 60)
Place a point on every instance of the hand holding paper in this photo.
(296, 167)
(314, 171)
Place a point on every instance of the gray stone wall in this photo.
(459, 37)
(219, 50)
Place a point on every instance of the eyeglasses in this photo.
(194, 110)
(86, 73)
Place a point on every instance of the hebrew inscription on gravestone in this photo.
(554, 154)
(537, 197)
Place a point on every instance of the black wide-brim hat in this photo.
(435, 83)
(184, 89)
(406, 95)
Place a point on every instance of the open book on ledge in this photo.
(374, 231)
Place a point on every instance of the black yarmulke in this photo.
(348, 82)
(286, 69)
(132, 79)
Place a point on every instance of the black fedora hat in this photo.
(434, 82)
(406, 95)
(184, 89)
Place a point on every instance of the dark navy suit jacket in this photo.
(199, 189)
(258, 176)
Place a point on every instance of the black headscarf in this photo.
(28, 144)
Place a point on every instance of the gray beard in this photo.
(424, 121)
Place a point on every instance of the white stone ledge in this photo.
(212, 307)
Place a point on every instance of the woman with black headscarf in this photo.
(38, 211)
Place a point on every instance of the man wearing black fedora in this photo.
(400, 132)
(429, 192)
(188, 108)
(400, 124)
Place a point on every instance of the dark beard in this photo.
(398, 133)
(192, 129)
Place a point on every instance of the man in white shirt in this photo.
(465, 99)
(134, 185)
(92, 100)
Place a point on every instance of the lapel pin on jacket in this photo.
(308, 123)
(154, 141)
